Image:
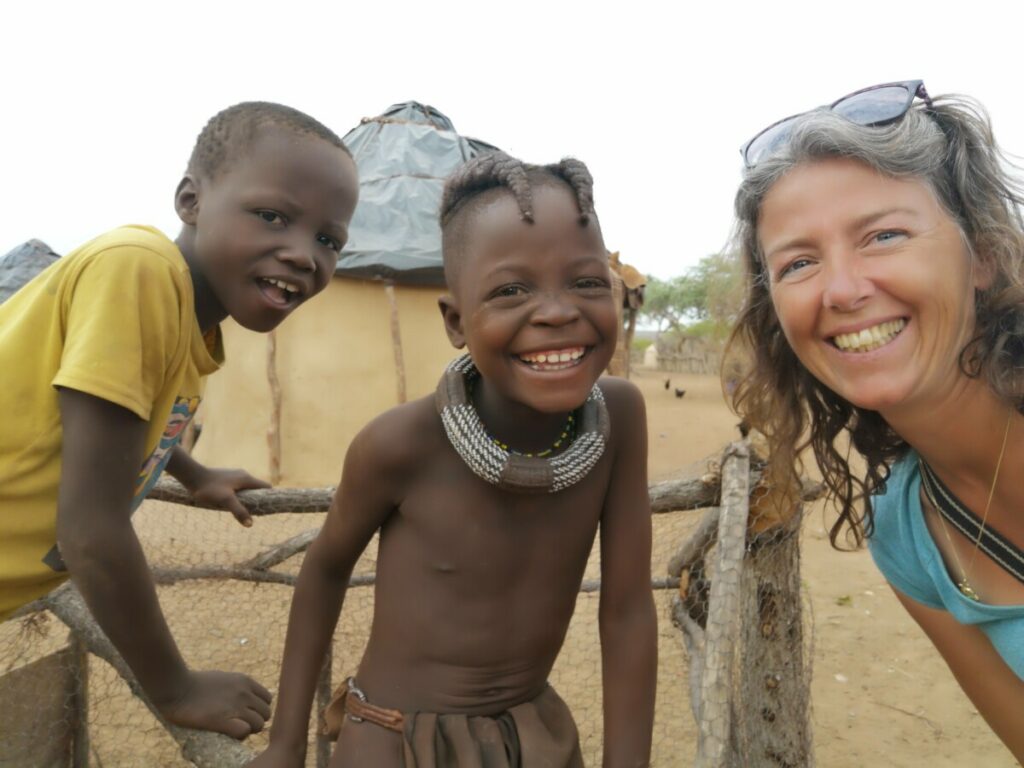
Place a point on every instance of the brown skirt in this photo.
(539, 733)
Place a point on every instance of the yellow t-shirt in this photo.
(114, 319)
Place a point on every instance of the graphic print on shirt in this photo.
(181, 414)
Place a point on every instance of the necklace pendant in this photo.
(967, 591)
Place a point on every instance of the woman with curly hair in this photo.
(884, 312)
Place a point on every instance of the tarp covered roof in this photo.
(19, 266)
(404, 156)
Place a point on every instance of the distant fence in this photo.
(706, 364)
(683, 354)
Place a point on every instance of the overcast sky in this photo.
(103, 100)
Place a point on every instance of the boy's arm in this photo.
(214, 486)
(103, 446)
(368, 493)
(627, 619)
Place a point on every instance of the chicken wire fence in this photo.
(733, 668)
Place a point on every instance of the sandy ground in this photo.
(881, 696)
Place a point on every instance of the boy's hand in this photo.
(217, 487)
(225, 702)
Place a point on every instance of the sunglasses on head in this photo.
(877, 105)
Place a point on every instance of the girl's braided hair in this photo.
(499, 170)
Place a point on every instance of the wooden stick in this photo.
(594, 585)
(201, 748)
(164, 576)
(703, 490)
(693, 638)
(692, 492)
(274, 428)
(396, 340)
(272, 501)
(280, 552)
(697, 490)
(713, 745)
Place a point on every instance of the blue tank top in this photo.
(905, 553)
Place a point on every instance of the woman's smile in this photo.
(870, 338)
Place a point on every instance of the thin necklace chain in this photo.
(565, 435)
(568, 433)
(964, 584)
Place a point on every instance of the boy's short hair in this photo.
(471, 185)
(231, 130)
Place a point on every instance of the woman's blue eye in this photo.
(793, 266)
(888, 236)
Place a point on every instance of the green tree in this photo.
(704, 301)
(720, 277)
(672, 304)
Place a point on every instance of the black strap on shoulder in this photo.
(1005, 553)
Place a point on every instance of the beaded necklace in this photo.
(567, 433)
(494, 462)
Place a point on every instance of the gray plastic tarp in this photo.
(404, 156)
(23, 263)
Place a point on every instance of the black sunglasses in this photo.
(876, 105)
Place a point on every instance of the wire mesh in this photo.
(240, 625)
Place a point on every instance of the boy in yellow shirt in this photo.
(103, 356)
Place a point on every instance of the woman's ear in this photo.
(452, 320)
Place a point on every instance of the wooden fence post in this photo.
(396, 341)
(774, 672)
(714, 746)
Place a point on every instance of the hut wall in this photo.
(336, 366)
